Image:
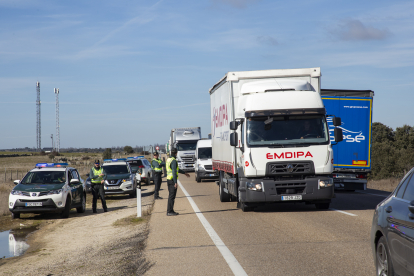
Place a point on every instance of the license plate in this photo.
(212, 174)
(295, 197)
(33, 204)
(112, 188)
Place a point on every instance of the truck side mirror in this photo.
(234, 125)
(234, 139)
(338, 135)
(336, 121)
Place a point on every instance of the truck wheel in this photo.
(15, 215)
(198, 179)
(65, 213)
(82, 208)
(224, 197)
(322, 206)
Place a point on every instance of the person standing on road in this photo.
(98, 176)
(172, 176)
(156, 165)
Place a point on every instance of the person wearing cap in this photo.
(98, 176)
(172, 176)
(156, 165)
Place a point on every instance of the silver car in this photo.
(141, 166)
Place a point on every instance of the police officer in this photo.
(98, 176)
(156, 165)
(172, 175)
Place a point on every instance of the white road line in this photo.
(225, 252)
(371, 194)
(343, 212)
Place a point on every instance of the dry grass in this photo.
(384, 184)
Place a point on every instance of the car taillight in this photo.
(361, 176)
(141, 166)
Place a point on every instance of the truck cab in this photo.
(185, 141)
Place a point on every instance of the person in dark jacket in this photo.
(172, 176)
(98, 176)
(156, 165)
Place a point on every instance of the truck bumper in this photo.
(307, 189)
(208, 174)
(350, 184)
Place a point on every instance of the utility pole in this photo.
(38, 127)
(53, 146)
(57, 146)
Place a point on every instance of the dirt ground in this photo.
(109, 243)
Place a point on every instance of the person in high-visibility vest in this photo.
(172, 175)
(156, 165)
(98, 176)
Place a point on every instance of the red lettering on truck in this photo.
(288, 155)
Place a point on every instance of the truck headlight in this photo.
(54, 192)
(254, 187)
(201, 168)
(325, 183)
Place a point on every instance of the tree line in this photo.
(392, 152)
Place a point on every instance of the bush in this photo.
(107, 154)
(128, 149)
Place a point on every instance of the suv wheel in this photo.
(65, 213)
(15, 215)
(383, 261)
(82, 208)
(148, 180)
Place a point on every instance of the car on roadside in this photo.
(119, 177)
(143, 167)
(48, 188)
(392, 231)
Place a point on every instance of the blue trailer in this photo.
(352, 157)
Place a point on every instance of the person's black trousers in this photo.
(171, 197)
(157, 183)
(98, 190)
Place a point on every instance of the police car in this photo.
(142, 168)
(48, 188)
(119, 177)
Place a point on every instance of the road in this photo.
(291, 239)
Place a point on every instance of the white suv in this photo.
(119, 177)
(48, 188)
(141, 167)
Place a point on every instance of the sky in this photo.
(130, 71)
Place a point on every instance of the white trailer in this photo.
(270, 138)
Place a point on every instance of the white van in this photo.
(203, 163)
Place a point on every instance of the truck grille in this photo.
(290, 188)
(188, 158)
(208, 167)
(286, 168)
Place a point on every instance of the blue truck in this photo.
(352, 157)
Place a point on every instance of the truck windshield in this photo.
(187, 146)
(204, 153)
(287, 130)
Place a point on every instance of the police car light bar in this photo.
(108, 160)
(51, 165)
(114, 160)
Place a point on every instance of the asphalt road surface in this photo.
(293, 239)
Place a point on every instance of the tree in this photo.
(128, 149)
(381, 133)
(107, 153)
(404, 137)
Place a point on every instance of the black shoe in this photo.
(172, 214)
(94, 211)
(105, 210)
(159, 197)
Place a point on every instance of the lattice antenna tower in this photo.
(38, 126)
(57, 141)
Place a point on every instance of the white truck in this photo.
(203, 164)
(185, 141)
(270, 138)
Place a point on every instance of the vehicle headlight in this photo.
(13, 192)
(325, 183)
(254, 187)
(126, 179)
(55, 192)
(201, 168)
